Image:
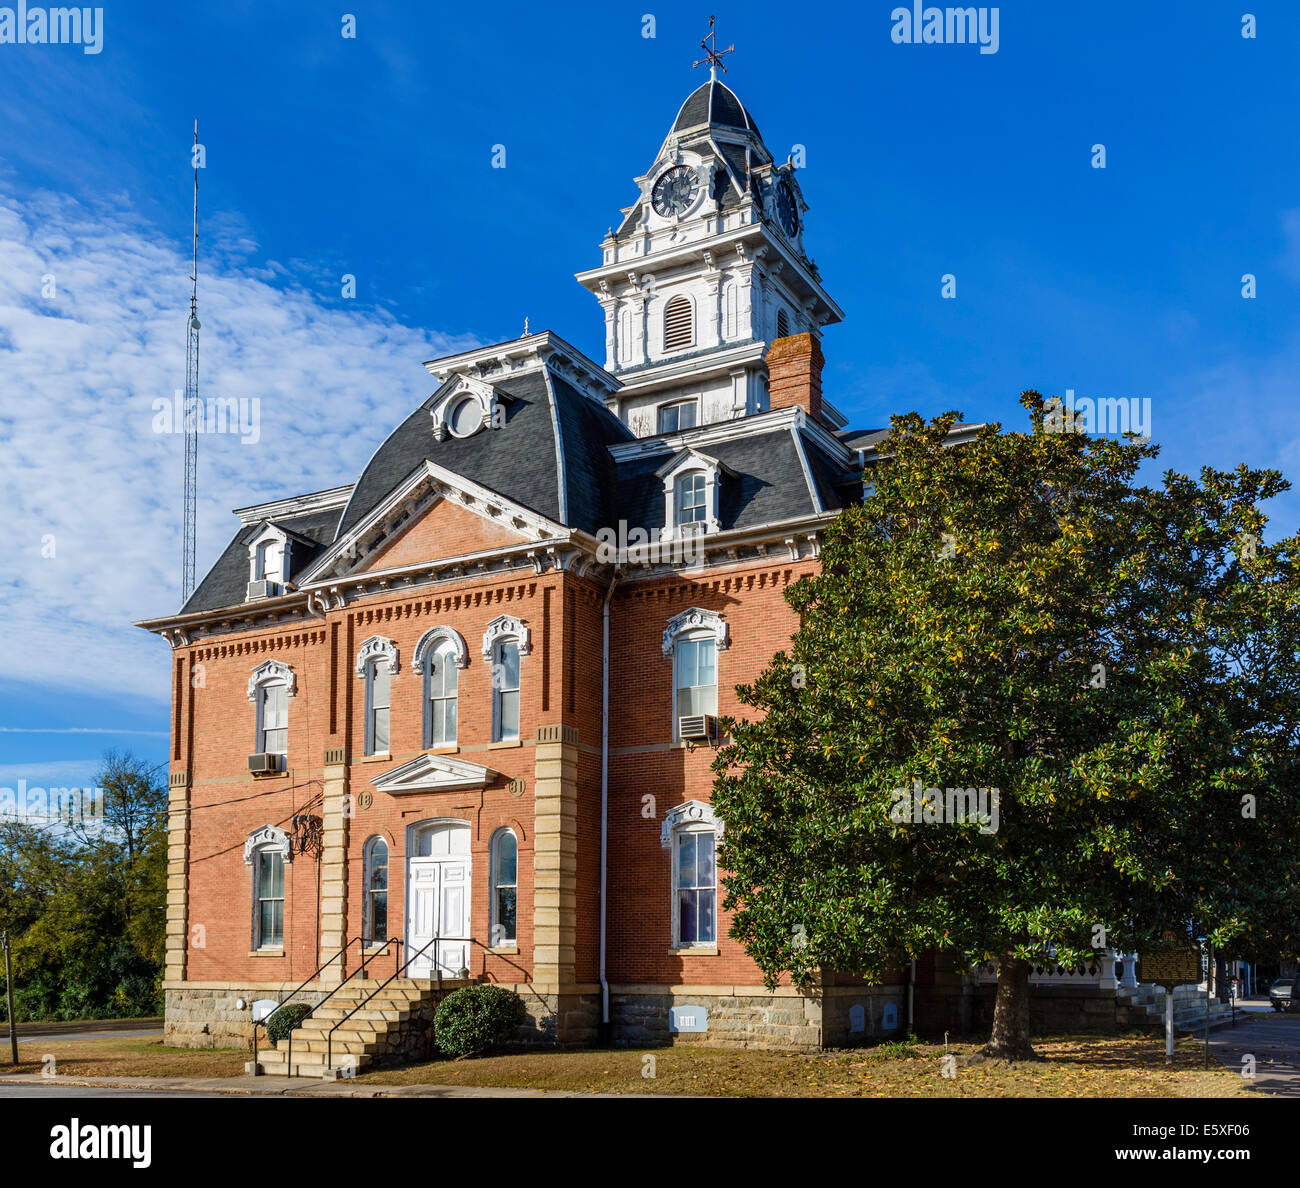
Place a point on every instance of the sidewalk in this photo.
(246, 1086)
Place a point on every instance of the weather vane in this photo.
(713, 55)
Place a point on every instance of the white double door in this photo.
(437, 898)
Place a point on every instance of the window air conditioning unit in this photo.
(698, 728)
(263, 589)
(691, 528)
(262, 764)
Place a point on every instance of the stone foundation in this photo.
(205, 1016)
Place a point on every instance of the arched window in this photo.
(505, 691)
(376, 665)
(375, 908)
(266, 851)
(269, 689)
(261, 561)
(688, 498)
(441, 681)
(505, 887)
(782, 324)
(679, 327)
(695, 885)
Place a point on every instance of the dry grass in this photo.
(1082, 1066)
(123, 1056)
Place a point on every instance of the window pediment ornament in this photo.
(506, 627)
(272, 670)
(430, 642)
(693, 812)
(453, 416)
(695, 619)
(377, 648)
(268, 837)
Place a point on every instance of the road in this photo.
(1274, 1042)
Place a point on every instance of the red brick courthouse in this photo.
(458, 715)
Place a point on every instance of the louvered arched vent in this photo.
(678, 329)
(782, 324)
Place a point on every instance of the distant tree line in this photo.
(84, 902)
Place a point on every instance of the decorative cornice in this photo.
(433, 773)
(693, 812)
(272, 670)
(377, 648)
(695, 618)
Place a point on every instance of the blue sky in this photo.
(372, 157)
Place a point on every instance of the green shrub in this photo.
(475, 1018)
(284, 1019)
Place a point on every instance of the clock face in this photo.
(675, 190)
(786, 210)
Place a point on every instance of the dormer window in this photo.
(688, 500)
(268, 562)
(691, 484)
(673, 418)
(465, 407)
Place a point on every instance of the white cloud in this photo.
(81, 462)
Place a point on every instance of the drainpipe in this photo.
(911, 987)
(604, 799)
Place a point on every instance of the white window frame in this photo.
(498, 658)
(367, 894)
(374, 652)
(694, 623)
(269, 673)
(690, 461)
(693, 817)
(438, 641)
(495, 940)
(692, 403)
(273, 548)
(262, 842)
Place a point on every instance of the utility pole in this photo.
(9, 991)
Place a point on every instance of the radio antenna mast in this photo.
(191, 408)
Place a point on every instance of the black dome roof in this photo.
(714, 103)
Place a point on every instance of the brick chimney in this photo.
(794, 374)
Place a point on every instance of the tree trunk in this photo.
(1010, 1038)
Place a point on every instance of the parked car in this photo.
(1284, 994)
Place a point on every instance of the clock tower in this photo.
(706, 269)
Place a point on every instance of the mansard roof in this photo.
(558, 452)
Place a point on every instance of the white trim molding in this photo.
(462, 388)
(693, 812)
(268, 672)
(377, 648)
(695, 618)
(268, 837)
(433, 773)
(430, 641)
(505, 627)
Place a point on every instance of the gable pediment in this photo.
(433, 773)
(432, 515)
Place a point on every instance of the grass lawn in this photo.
(123, 1056)
(1075, 1066)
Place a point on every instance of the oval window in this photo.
(466, 417)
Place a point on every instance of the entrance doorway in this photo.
(437, 898)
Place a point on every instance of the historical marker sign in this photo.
(1173, 967)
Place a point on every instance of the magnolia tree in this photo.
(1033, 710)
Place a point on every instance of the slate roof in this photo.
(714, 103)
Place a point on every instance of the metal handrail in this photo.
(342, 983)
(329, 1040)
